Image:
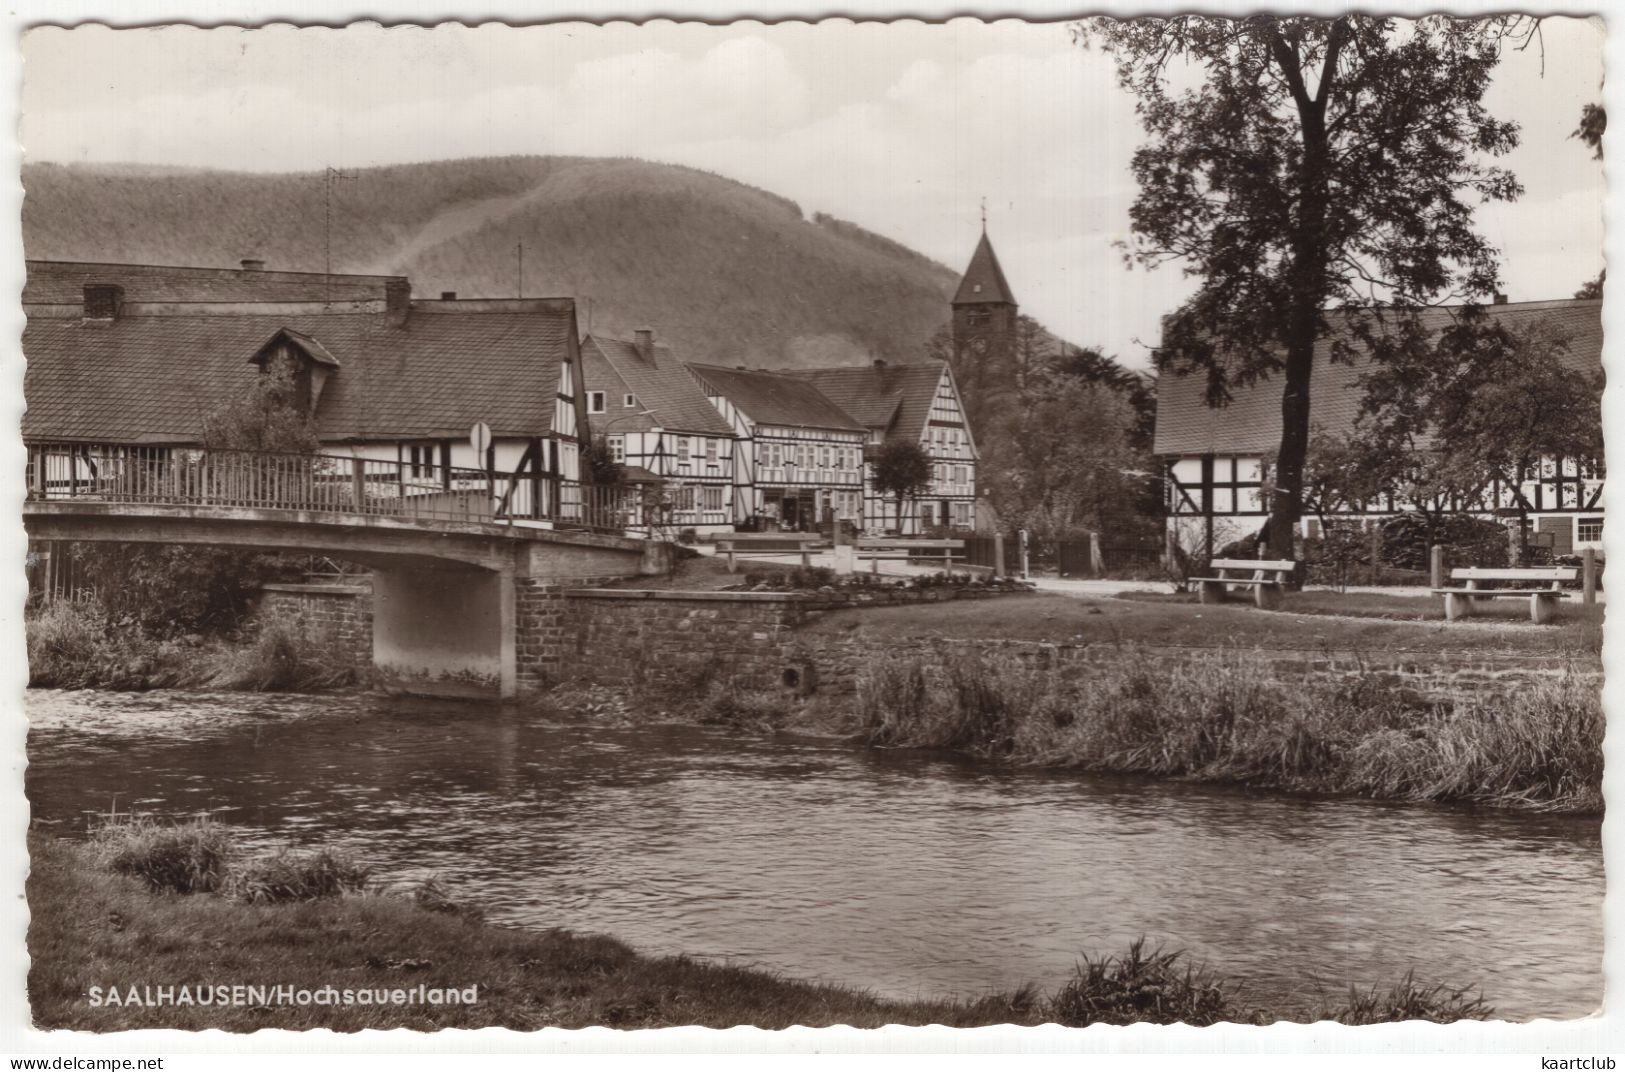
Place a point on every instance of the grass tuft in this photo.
(1141, 987)
(186, 857)
(295, 875)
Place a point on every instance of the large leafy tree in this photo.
(1296, 164)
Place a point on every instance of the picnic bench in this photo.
(776, 543)
(877, 548)
(1541, 585)
(1267, 578)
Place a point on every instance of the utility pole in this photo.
(329, 176)
(521, 291)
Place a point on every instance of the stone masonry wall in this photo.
(339, 614)
(683, 639)
(544, 629)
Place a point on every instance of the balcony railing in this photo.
(323, 483)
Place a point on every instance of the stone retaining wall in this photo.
(338, 614)
(681, 639)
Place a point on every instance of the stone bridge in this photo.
(464, 602)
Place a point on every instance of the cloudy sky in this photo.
(901, 127)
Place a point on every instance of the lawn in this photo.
(1307, 620)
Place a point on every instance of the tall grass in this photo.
(74, 644)
(203, 856)
(1227, 717)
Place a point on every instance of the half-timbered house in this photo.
(656, 421)
(914, 403)
(141, 355)
(800, 456)
(1215, 456)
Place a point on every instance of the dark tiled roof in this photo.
(776, 398)
(1251, 423)
(154, 378)
(984, 279)
(895, 397)
(664, 388)
(63, 282)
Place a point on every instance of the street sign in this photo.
(479, 437)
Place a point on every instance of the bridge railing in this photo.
(329, 483)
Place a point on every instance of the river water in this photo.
(908, 873)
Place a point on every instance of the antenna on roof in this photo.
(984, 214)
(520, 293)
(329, 176)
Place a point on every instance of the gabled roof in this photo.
(153, 378)
(984, 279)
(63, 283)
(668, 397)
(776, 398)
(894, 397)
(1251, 423)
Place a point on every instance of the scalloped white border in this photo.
(1226, 1045)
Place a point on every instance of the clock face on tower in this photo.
(978, 347)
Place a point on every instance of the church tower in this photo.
(985, 312)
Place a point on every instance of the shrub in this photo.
(292, 875)
(1407, 540)
(281, 657)
(188, 857)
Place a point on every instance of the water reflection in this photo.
(902, 872)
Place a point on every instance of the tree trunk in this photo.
(1286, 503)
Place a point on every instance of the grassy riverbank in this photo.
(92, 927)
(74, 644)
(1228, 717)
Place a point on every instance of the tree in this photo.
(265, 417)
(601, 467)
(1593, 122)
(1314, 163)
(1509, 403)
(903, 470)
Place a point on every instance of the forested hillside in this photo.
(728, 273)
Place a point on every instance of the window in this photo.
(629, 401)
(962, 515)
(960, 475)
(595, 401)
(682, 449)
(773, 456)
(617, 448)
(421, 458)
(713, 498)
(1590, 530)
(710, 450)
(823, 457)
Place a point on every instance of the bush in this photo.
(189, 857)
(281, 657)
(1407, 1001)
(292, 875)
(1468, 541)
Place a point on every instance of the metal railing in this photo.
(322, 483)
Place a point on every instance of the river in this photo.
(903, 872)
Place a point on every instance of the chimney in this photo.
(880, 362)
(252, 264)
(1500, 299)
(102, 301)
(397, 300)
(646, 344)
(448, 295)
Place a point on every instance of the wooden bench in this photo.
(1542, 586)
(767, 544)
(1267, 578)
(875, 548)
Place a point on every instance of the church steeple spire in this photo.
(984, 281)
